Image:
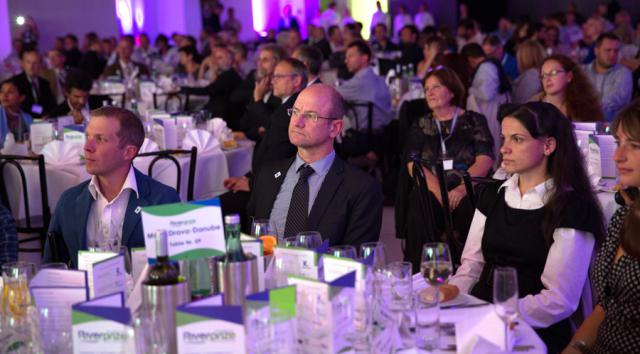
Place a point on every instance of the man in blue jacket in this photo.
(104, 212)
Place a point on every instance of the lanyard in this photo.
(453, 126)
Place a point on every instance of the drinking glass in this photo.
(376, 251)
(290, 241)
(51, 329)
(309, 239)
(345, 251)
(427, 319)
(265, 231)
(505, 297)
(436, 267)
(400, 285)
(15, 292)
(150, 333)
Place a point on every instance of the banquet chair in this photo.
(189, 91)
(170, 155)
(356, 144)
(171, 95)
(30, 224)
(97, 101)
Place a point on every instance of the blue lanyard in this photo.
(453, 126)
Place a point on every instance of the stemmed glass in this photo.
(343, 251)
(505, 297)
(377, 252)
(435, 267)
(309, 239)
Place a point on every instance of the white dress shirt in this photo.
(106, 218)
(565, 272)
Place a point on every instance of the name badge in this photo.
(447, 165)
(37, 109)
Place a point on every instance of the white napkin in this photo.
(11, 148)
(482, 332)
(201, 139)
(218, 127)
(148, 146)
(59, 152)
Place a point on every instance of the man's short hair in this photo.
(128, 38)
(607, 35)
(361, 46)
(72, 37)
(381, 25)
(131, 131)
(298, 68)
(493, 41)
(15, 84)
(239, 48)
(312, 56)
(413, 29)
(278, 52)
(161, 38)
(336, 104)
(332, 30)
(467, 24)
(472, 50)
(190, 50)
(77, 79)
(27, 50)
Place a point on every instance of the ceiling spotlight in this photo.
(20, 20)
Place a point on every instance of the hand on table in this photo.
(237, 184)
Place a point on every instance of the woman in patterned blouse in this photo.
(448, 132)
(614, 325)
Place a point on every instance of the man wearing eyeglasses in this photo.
(317, 190)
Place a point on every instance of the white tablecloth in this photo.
(211, 171)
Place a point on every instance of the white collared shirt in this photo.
(106, 218)
(565, 272)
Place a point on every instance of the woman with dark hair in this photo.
(189, 62)
(544, 221)
(614, 325)
(451, 133)
(566, 86)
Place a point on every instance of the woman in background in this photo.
(530, 56)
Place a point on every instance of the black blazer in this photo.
(220, 104)
(116, 70)
(45, 98)
(347, 210)
(93, 64)
(60, 110)
(275, 144)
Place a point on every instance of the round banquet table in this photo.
(212, 168)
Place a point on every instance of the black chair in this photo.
(170, 95)
(38, 224)
(356, 143)
(169, 155)
(189, 91)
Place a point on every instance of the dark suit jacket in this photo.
(116, 70)
(93, 64)
(275, 144)
(45, 98)
(347, 210)
(69, 222)
(220, 104)
(324, 47)
(60, 110)
(73, 57)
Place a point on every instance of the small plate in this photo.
(461, 299)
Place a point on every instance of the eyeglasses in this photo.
(552, 73)
(280, 76)
(436, 68)
(307, 115)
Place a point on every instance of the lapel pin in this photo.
(138, 209)
(278, 174)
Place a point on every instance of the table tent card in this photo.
(269, 314)
(206, 324)
(62, 122)
(336, 267)
(194, 229)
(40, 134)
(102, 325)
(74, 134)
(59, 288)
(299, 261)
(165, 132)
(322, 312)
(106, 272)
(138, 261)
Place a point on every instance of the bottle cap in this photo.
(232, 219)
(160, 237)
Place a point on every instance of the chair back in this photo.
(30, 224)
(171, 156)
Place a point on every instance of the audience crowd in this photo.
(340, 124)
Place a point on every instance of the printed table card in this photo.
(296, 261)
(194, 229)
(166, 133)
(74, 134)
(106, 272)
(40, 134)
(206, 324)
(60, 289)
(102, 325)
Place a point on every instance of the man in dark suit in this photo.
(125, 67)
(288, 79)
(76, 92)
(316, 190)
(311, 57)
(39, 99)
(104, 212)
(225, 81)
(72, 53)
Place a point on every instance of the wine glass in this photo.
(436, 267)
(505, 297)
(345, 251)
(377, 252)
(309, 239)
(264, 230)
(290, 241)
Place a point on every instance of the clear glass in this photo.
(400, 285)
(436, 267)
(427, 319)
(265, 231)
(51, 329)
(149, 331)
(15, 291)
(311, 240)
(344, 251)
(377, 252)
(505, 297)
(290, 241)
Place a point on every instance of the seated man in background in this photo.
(104, 212)
(317, 190)
(12, 118)
(39, 100)
(56, 74)
(76, 91)
(9, 237)
(125, 67)
(311, 57)
(224, 80)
